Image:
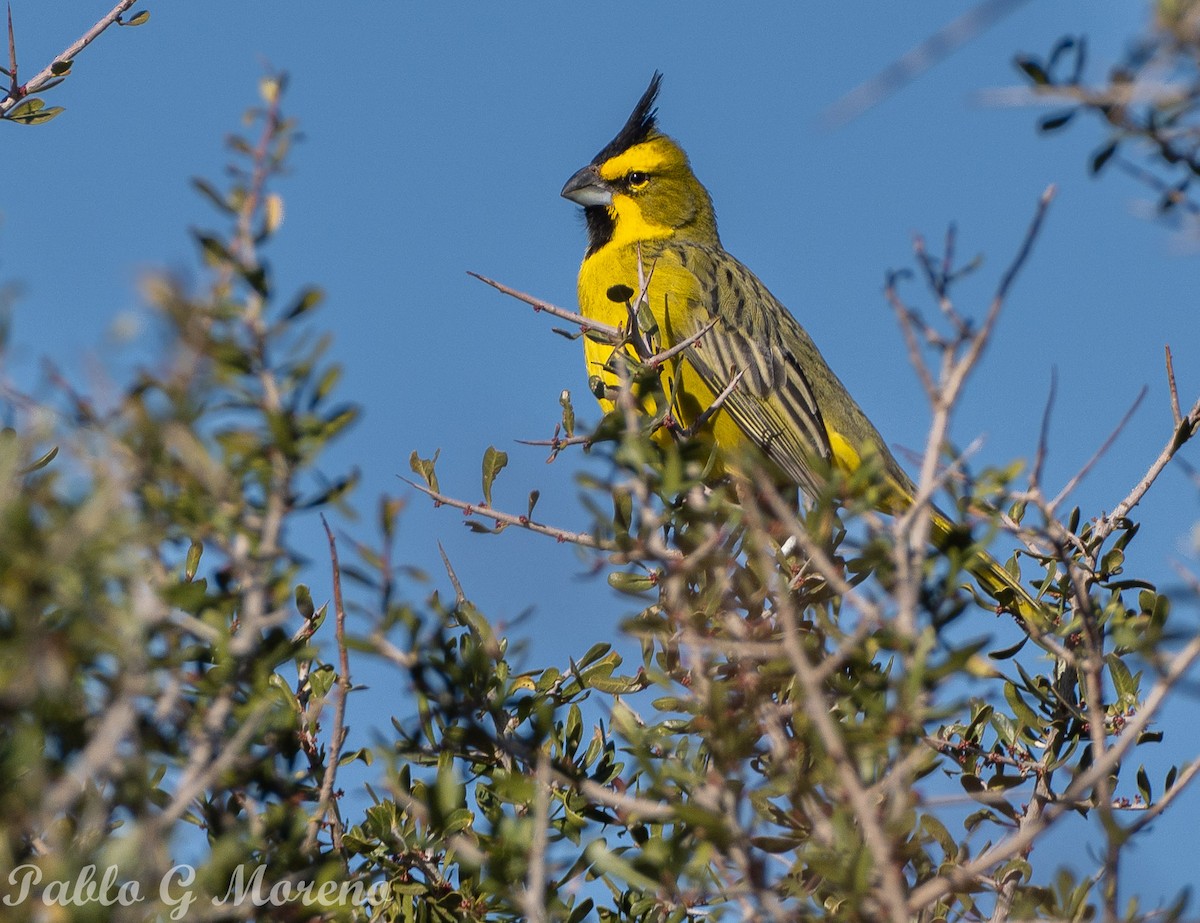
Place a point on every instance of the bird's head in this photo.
(641, 186)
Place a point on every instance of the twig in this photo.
(586, 325)
(1182, 781)
(12, 58)
(1183, 432)
(558, 442)
(459, 596)
(1043, 443)
(656, 360)
(706, 414)
(1027, 244)
(907, 320)
(326, 804)
(487, 512)
(47, 74)
(1097, 455)
(1175, 414)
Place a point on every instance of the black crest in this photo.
(641, 125)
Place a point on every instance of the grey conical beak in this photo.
(587, 188)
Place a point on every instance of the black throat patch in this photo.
(600, 227)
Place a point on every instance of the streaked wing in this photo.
(773, 404)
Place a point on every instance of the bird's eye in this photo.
(637, 179)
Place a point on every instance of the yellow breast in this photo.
(673, 297)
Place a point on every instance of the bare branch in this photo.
(524, 522)
(614, 334)
(1175, 413)
(1070, 486)
(1183, 432)
(658, 359)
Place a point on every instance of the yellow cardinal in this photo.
(646, 211)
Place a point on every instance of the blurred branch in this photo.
(945, 41)
(326, 803)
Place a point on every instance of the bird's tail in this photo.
(993, 578)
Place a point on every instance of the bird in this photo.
(751, 381)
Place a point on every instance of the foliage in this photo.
(149, 609)
(792, 741)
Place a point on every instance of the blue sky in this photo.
(436, 140)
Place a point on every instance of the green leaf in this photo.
(61, 68)
(494, 461)
(776, 844)
(424, 467)
(568, 413)
(1102, 157)
(1054, 122)
(626, 582)
(611, 865)
(304, 602)
(41, 462)
(622, 511)
(449, 792)
(1032, 69)
(137, 19)
(533, 499)
(192, 563)
(1009, 652)
(215, 251)
(1015, 866)
(1143, 784)
(33, 112)
(321, 680)
(617, 685)
(308, 299)
(937, 832)
(206, 189)
(594, 653)
(1025, 715)
(1110, 564)
(1124, 682)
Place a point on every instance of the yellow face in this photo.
(648, 192)
(654, 192)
